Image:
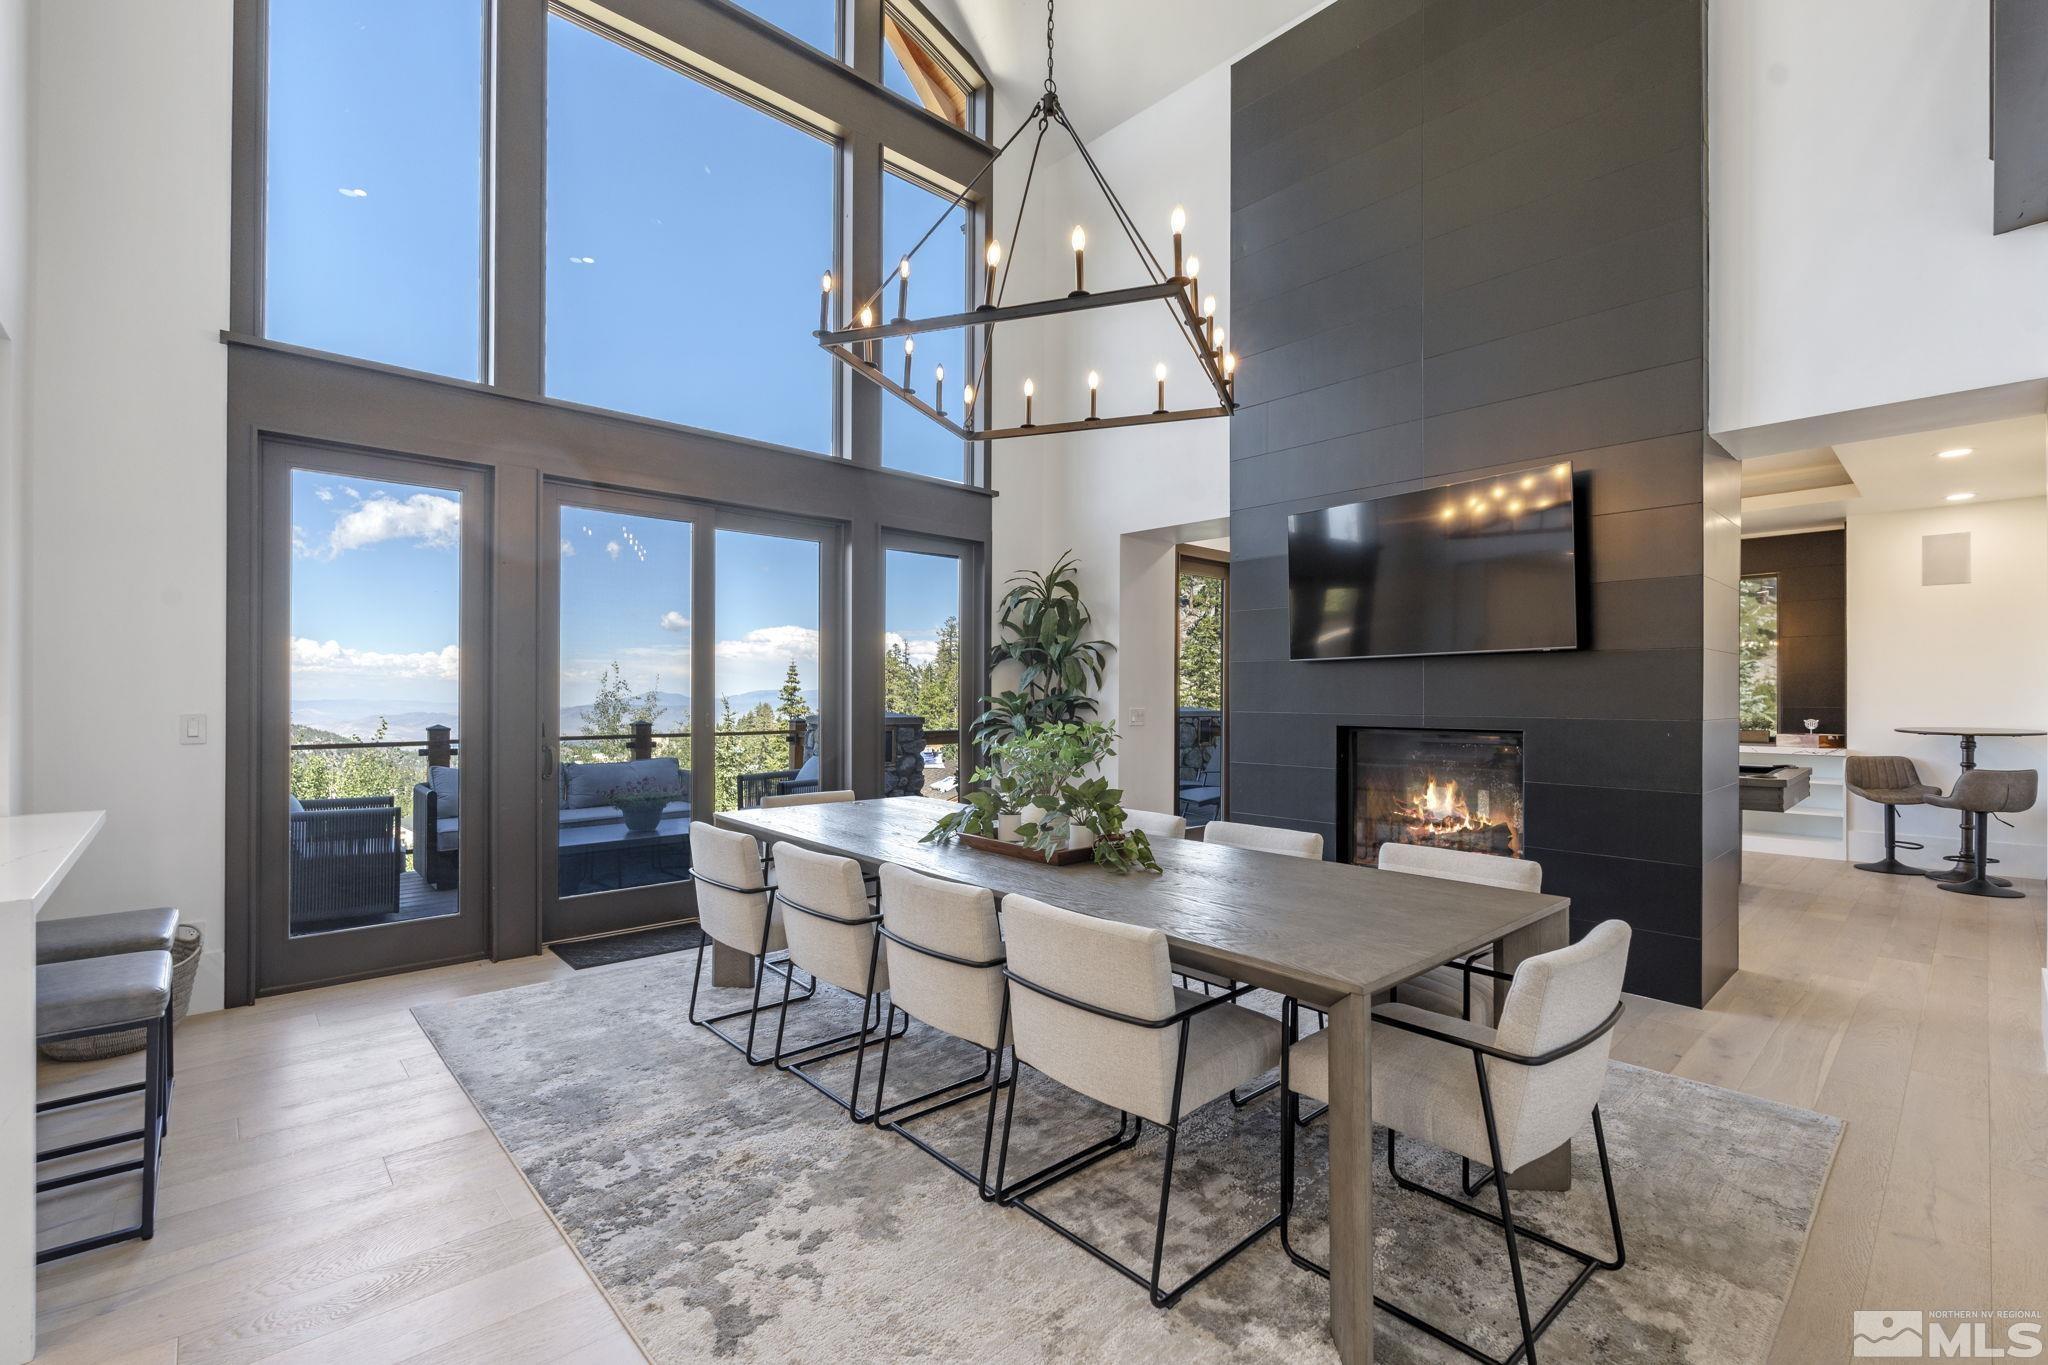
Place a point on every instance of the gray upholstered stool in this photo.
(1891, 781)
(123, 931)
(1986, 792)
(85, 998)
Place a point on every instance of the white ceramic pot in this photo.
(1079, 837)
(1006, 826)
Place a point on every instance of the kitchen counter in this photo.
(36, 851)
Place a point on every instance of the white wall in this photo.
(14, 109)
(1116, 497)
(127, 446)
(1967, 654)
(1852, 261)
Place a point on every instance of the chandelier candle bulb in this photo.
(867, 348)
(994, 256)
(1194, 279)
(1094, 383)
(1159, 374)
(939, 389)
(1218, 346)
(903, 289)
(1180, 222)
(909, 350)
(825, 303)
(1080, 242)
(967, 397)
(1209, 318)
(1230, 372)
(1029, 389)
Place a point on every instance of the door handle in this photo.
(547, 760)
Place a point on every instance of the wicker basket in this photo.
(185, 954)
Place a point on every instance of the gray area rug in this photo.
(731, 1213)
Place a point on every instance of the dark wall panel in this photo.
(1469, 235)
(1812, 625)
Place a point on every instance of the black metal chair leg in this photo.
(152, 1089)
(710, 1022)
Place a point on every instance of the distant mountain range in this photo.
(410, 719)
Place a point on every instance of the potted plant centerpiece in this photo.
(1042, 790)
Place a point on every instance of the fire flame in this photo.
(1441, 802)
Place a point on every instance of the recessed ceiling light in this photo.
(1955, 454)
(1961, 497)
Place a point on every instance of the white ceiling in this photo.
(1115, 56)
(1812, 489)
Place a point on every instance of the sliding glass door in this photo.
(690, 660)
(372, 717)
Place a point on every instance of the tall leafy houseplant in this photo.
(1042, 626)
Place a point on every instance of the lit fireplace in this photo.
(1455, 789)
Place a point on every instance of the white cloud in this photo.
(330, 657)
(568, 550)
(674, 620)
(324, 494)
(612, 548)
(354, 192)
(921, 651)
(429, 518)
(771, 644)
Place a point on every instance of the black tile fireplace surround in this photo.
(1466, 239)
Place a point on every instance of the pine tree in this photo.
(790, 704)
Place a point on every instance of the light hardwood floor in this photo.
(329, 1193)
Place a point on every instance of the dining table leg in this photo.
(1351, 1313)
(1552, 1171)
(730, 966)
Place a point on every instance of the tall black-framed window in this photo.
(374, 176)
(485, 403)
(687, 225)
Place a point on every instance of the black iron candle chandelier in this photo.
(858, 347)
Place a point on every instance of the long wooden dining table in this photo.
(1330, 934)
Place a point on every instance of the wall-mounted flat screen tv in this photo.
(1470, 568)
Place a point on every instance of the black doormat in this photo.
(596, 952)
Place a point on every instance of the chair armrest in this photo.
(697, 876)
(1451, 1035)
(1178, 1016)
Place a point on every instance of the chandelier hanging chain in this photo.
(1051, 87)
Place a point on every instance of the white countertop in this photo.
(37, 850)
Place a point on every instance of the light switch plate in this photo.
(192, 729)
(1137, 717)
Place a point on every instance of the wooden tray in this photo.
(1066, 857)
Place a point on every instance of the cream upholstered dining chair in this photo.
(736, 910)
(1093, 1007)
(1291, 843)
(1439, 986)
(1263, 838)
(944, 952)
(822, 900)
(1156, 824)
(806, 799)
(1503, 1097)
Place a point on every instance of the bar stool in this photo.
(1891, 781)
(85, 998)
(1985, 792)
(153, 930)
(122, 931)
